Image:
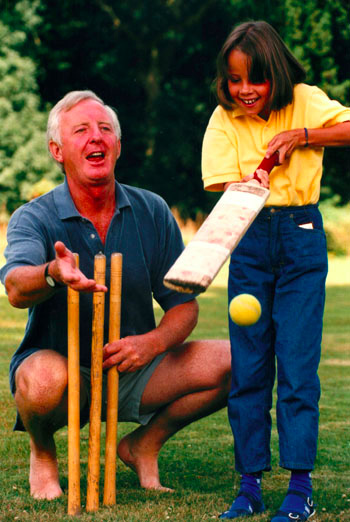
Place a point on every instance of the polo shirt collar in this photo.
(65, 204)
(237, 112)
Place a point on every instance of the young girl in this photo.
(264, 107)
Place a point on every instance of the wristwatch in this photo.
(50, 280)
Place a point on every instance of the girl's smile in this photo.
(253, 98)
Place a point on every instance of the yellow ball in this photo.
(245, 310)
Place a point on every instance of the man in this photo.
(165, 384)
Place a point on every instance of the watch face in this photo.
(50, 281)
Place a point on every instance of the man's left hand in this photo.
(129, 354)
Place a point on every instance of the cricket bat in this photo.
(201, 260)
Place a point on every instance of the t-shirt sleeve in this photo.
(324, 112)
(25, 242)
(219, 154)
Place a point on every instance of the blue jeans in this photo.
(285, 266)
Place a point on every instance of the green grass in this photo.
(198, 462)
(336, 221)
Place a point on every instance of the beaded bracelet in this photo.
(306, 137)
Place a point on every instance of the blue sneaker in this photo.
(287, 515)
(253, 506)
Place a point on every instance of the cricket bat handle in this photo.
(267, 164)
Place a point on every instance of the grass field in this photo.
(198, 462)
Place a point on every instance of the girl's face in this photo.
(253, 98)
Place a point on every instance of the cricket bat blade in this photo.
(213, 243)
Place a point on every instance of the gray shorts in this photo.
(131, 387)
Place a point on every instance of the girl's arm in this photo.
(335, 136)
(285, 142)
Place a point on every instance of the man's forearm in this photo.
(26, 286)
(175, 326)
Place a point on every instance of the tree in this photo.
(23, 155)
(318, 33)
(155, 62)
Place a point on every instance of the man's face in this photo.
(89, 148)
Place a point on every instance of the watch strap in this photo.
(50, 280)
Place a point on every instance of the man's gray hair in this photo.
(70, 100)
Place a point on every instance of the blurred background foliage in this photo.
(154, 61)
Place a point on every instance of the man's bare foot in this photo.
(43, 475)
(140, 458)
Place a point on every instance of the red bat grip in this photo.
(267, 164)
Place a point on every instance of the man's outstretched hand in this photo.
(64, 270)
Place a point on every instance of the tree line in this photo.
(154, 62)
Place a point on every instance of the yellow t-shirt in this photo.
(234, 144)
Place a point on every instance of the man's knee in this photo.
(41, 380)
(212, 362)
(223, 363)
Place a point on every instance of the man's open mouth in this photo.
(96, 155)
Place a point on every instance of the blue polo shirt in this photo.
(142, 229)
